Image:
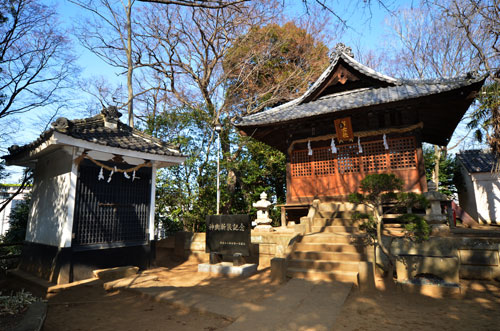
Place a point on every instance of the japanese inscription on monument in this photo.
(228, 234)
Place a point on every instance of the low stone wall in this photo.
(191, 247)
(476, 258)
(445, 267)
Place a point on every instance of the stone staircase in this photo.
(333, 248)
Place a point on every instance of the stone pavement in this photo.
(297, 305)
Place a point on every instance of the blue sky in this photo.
(365, 29)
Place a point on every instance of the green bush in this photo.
(416, 227)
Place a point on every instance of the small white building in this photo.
(480, 196)
(6, 191)
(93, 197)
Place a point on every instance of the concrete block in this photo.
(129, 281)
(62, 287)
(435, 246)
(479, 272)
(265, 261)
(408, 266)
(197, 246)
(227, 268)
(278, 270)
(479, 257)
(238, 260)
(115, 273)
(166, 243)
(215, 258)
(307, 222)
(299, 228)
(269, 249)
(180, 243)
(199, 237)
(34, 318)
(366, 277)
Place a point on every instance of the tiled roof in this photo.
(103, 129)
(390, 90)
(476, 160)
(355, 99)
(340, 52)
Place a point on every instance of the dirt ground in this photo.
(389, 310)
(89, 307)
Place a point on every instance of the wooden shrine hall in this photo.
(355, 121)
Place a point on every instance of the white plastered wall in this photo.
(53, 200)
(487, 196)
(48, 219)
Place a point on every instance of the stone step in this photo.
(341, 206)
(329, 247)
(110, 274)
(336, 229)
(335, 214)
(483, 232)
(342, 276)
(318, 221)
(333, 238)
(322, 265)
(328, 256)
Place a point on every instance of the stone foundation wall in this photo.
(65, 265)
(478, 258)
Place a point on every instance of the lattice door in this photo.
(115, 212)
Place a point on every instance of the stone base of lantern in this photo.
(263, 228)
(435, 218)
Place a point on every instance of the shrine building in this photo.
(93, 196)
(355, 121)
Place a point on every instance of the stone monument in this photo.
(263, 221)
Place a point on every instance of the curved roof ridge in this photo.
(340, 51)
(369, 71)
(470, 76)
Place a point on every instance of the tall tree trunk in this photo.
(437, 158)
(130, 67)
(386, 250)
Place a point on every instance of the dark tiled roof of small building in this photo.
(476, 160)
(94, 130)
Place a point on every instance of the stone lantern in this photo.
(433, 214)
(263, 221)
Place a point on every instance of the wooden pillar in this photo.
(288, 179)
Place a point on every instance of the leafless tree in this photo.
(478, 20)
(35, 58)
(431, 45)
(185, 48)
(207, 4)
(108, 33)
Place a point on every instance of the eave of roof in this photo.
(356, 99)
(93, 132)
